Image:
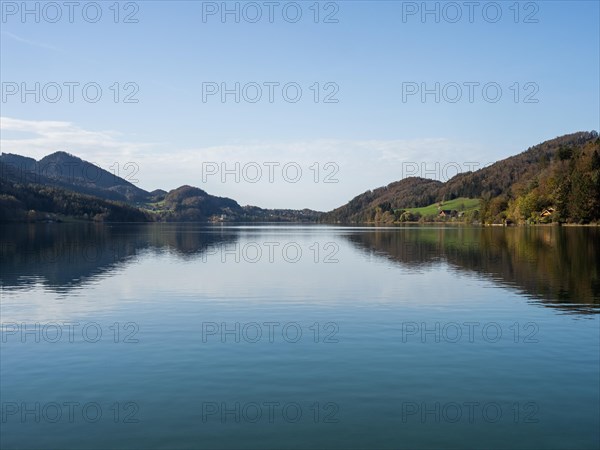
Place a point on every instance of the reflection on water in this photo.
(415, 337)
(63, 256)
(558, 266)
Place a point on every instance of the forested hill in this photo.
(63, 170)
(559, 179)
(407, 193)
(556, 181)
(63, 187)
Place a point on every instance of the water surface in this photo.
(194, 336)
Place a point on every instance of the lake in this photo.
(281, 336)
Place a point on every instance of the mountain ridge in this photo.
(64, 170)
(59, 185)
(557, 180)
(502, 186)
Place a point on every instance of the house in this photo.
(547, 212)
(448, 213)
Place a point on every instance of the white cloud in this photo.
(30, 42)
(362, 165)
(44, 136)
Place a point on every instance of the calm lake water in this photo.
(193, 336)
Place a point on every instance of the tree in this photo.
(564, 153)
(595, 160)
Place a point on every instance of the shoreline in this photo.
(373, 224)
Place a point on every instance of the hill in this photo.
(64, 187)
(555, 181)
(66, 171)
(39, 203)
(502, 176)
(410, 192)
(192, 204)
(460, 205)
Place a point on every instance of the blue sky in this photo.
(551, 51)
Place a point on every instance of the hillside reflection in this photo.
(558, 266)
(555, 266)
(64, 256)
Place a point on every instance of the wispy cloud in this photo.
(30, 42)
(45, 46)
(362, 165)
(37, 138)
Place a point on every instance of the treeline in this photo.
(566, 189)
(386, 204)
(29, 202)
(556, 181)
(383, 214)
(35, 203)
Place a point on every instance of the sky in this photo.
(294, 104)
